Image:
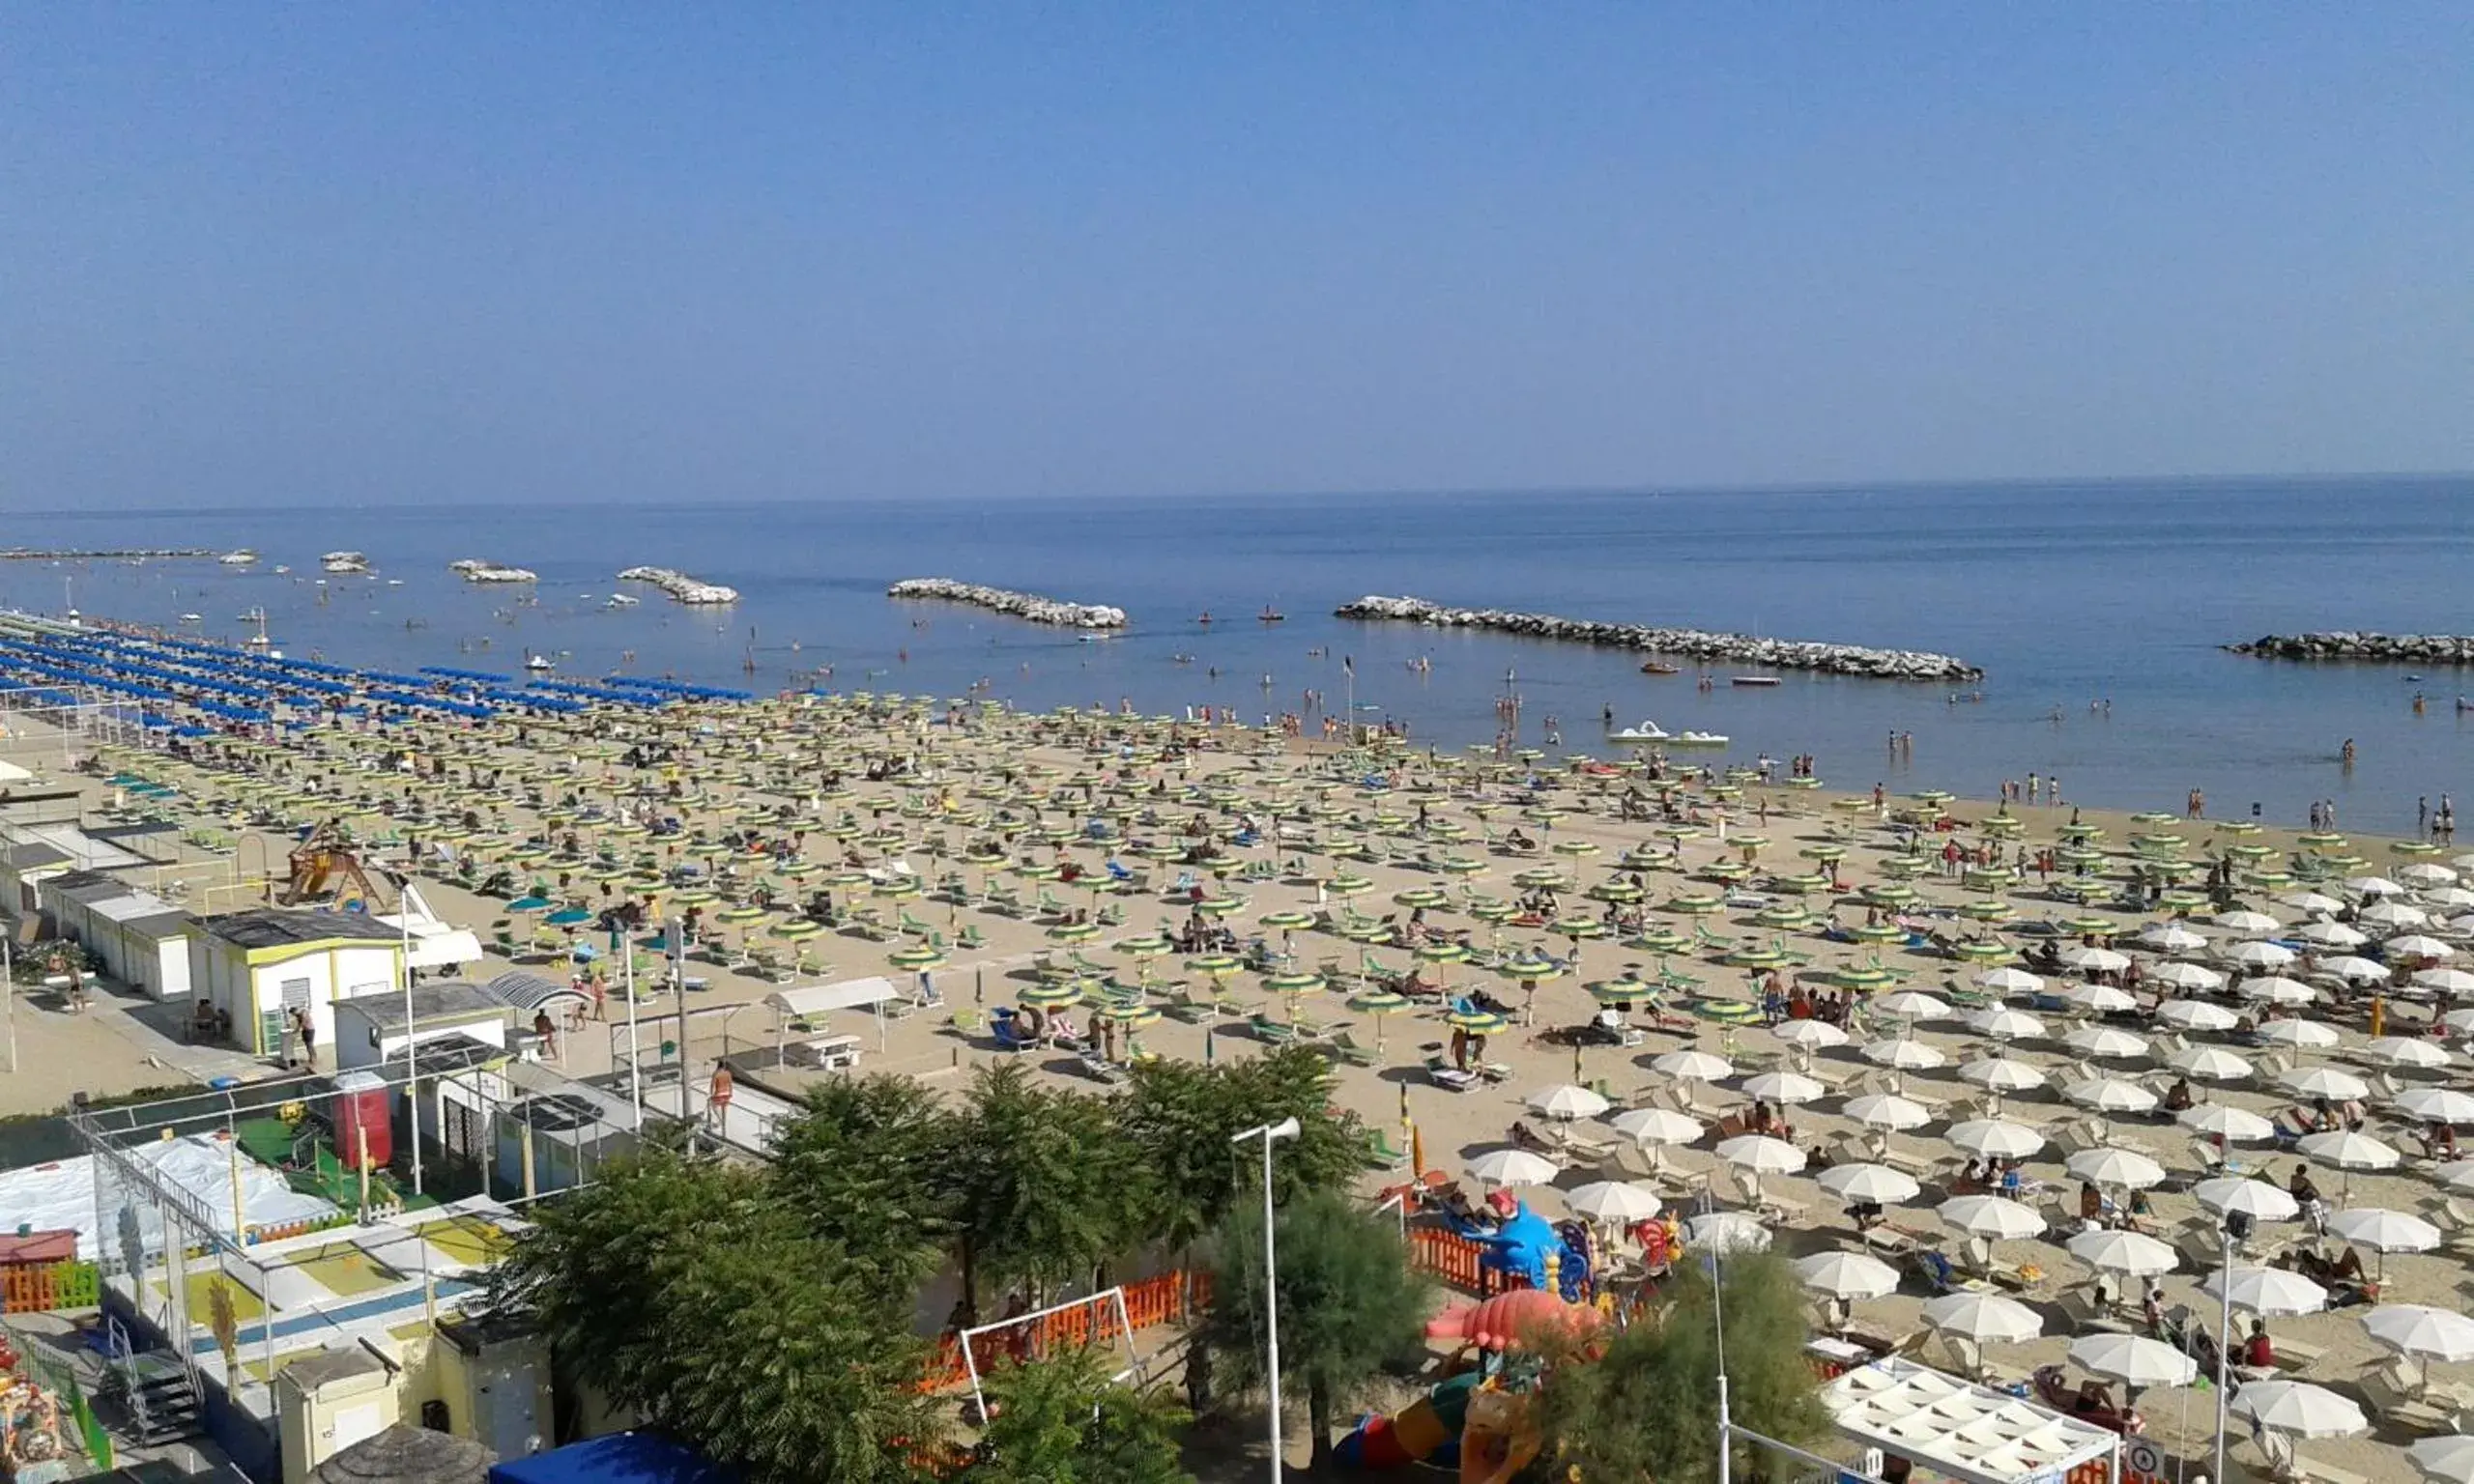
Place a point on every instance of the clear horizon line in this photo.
(1393, 492)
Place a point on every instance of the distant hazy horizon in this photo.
(285, 256)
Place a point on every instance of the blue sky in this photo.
(648, 252)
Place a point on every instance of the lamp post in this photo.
(2237, 1228)
(1270, 1134)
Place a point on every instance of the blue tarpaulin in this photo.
(620, 1458)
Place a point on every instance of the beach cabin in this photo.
(373, 1030)
(142, 940)
(257, 966)
(31, 854)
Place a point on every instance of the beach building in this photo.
(142, 939)
(31, 854)
(257, 966)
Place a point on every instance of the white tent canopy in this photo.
(1952, 1427)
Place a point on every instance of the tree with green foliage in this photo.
(869, 1163)
(1045, 1187)
(1349, 1302)
(1180, 1117)
(1066, 1420)
(1646, 1407)
(687, 1292)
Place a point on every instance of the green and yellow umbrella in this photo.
(1863, 976)
(1426, 896)
(1477, 1023)
(1345, 885)
(1216, 965)
(1621, 893)
(1876, 932)
(1785, 917)
(919, 955)
(1574, 848)
(1492, 909)
(1287, 918)
(1052, 997)
(797, 930)
(1658, 938)
(1529, 964)
(1622, 989)
(1539, 875)
(1459, 866)
(1380, 1004)
(1987, 909)
(1073, 932)
(1984, 953)
(1696, 904)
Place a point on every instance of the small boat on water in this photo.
(1752, 682)
(192, 618)
(1205, 619)
(1639, 731)
(619, 600)
(539, 664)
(1697, 739)
(1271, 614)
(1658, 668)
(240, 558)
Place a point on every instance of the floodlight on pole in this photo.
(1270, 1134)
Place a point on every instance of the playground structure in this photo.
(1481, 1417)
(324, 868)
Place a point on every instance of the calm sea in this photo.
(2066, 594)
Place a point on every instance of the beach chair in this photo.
(809, 966)
(913, 927)
(1345, 1048)
(864, 921)
(1271, 1031)
(1442, 1074)
(767, 963)
(969, 1024)
(970, 938)
(1379, 1152)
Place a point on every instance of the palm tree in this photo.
(1349, 1302)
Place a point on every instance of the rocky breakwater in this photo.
(473, 569)
(679, 586)
(1029, 606)
(2361, 646)
(1694, 643)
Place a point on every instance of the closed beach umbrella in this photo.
(1993, 1138)
(2136, 1254)
(1983, 1317)
(2268, 1291)
(1612, 1200)
(2298, 1409)
(2123, 1168)
(2254, 1198)
(1847, 1274)
(1513, 1167)
(2132, 1360)
(1992, 1215)
(1877, 1184)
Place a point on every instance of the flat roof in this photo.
(282, 927)
(86, 886)
(1957, 1428)
(448, 1001)
(74, 844)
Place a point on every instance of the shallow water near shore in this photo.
(2066, 594)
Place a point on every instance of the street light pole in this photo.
(1270, 1134)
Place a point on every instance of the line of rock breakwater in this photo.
(2352, 644)
(679, 586)
(1029, 606)
(1692, 643)
(129, 553)
(474, 569)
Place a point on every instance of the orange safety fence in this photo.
(27, 1288)
(1164, 1299)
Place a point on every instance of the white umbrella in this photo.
(2426, 873)
(2416, 945)
(2171, 937)
(2007, 982)
(2437, 1104)
(1994, 1139)
(1811, 1035)
(1847, 1274)
(2268, 1290)
(2107, 1042)
(2087, 960)
(2408, 1051)
(2253, 1198)
(2276, 989)
(2186, 976)
(2002, 1023)
(2306, 1034)
(2259, 956)
(1513, 1167)
(2134, 1359)
(2245, 920)
(1992, 1215)
(2457, 1174)
(2448, 1460)
(2197, 1015)
(2110, 1249)
(1762, 1155)
(1612, 1200)
(1566, 1100)
(1913, 1005)
(2384, 1231)
(2454, 981)
(2110, 1095)
(2450, 899)
(1726, 1230)
(2422, 1331)
(2348, 1150)
(2209, 1063)
(1877, 1184)
(1888, 1110)
(2354, 970)
(2324, 1082)
(2099, 999)
(2331, 935)
(2374, 886)
(2311, 901)
(2234, 1125)
(1905, 1055)
(1784, 1087)
(2298, 1409)
(2003, 1074)
(1657, 1126)
(2125, 1168)
(1984, 1317)
(1688, 1065)
(2391, 914)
